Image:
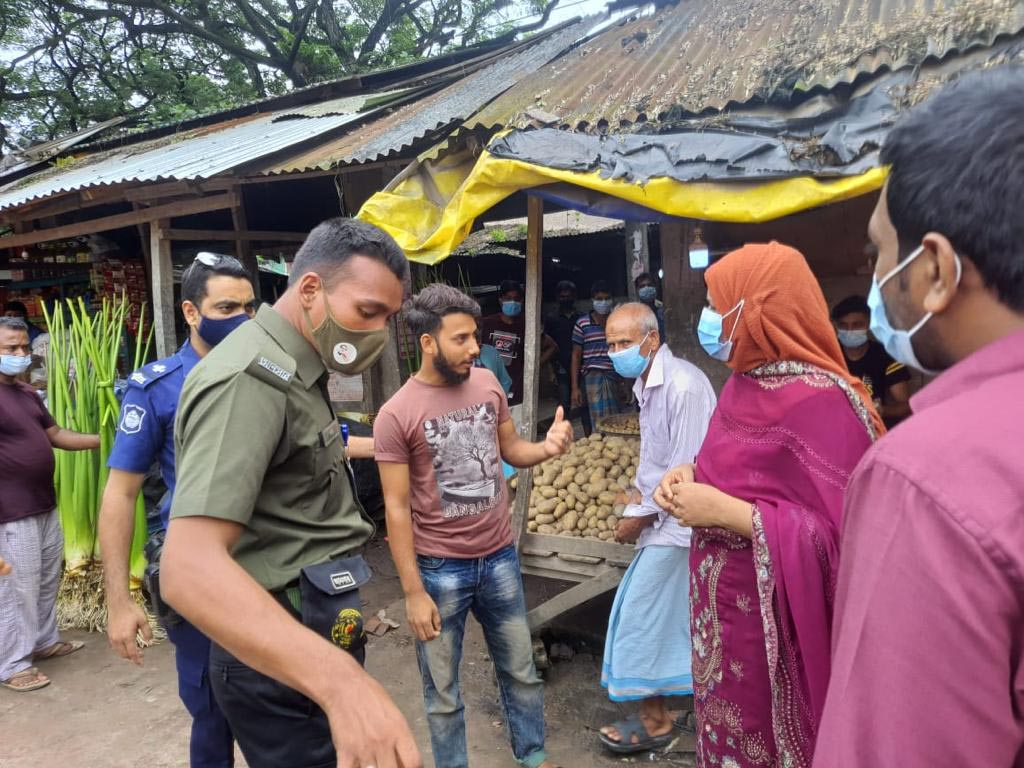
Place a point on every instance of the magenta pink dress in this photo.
(786, 437)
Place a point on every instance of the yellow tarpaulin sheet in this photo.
(431, 209)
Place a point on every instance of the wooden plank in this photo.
(248, 235)
(572, 597)
(531, 357)
(572, 545)
(174, 188)
(162, 289)
(638, 254)
(243, 247)
(121, 220)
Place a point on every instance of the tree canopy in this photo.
(65, 64)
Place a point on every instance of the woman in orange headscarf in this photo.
(765, 502)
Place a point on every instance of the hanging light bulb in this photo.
(700, 256)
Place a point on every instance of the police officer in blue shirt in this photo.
(216, 297)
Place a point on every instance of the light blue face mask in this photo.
(852, 339)
(604, 306)
(15, 365)
(709, 332)
(899, 343)
(511, 308)
(629, 363)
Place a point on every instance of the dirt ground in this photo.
(102, 712)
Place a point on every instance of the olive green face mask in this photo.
(342, 349)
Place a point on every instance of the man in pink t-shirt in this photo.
(439, 443)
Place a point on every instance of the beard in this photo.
(447, 370)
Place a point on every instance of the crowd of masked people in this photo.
(830, 592)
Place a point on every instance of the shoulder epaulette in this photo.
(277, 371)
(147, 374)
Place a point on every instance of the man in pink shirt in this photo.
(928, 635)
(439, 443)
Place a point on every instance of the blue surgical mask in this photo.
(629, 363)
(603, 306)
(213, 330)
(852, 339)
(647, 293)
(15, 365)
(709, 332)
(898, 343)
(511, 308)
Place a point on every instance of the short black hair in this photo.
(643, 276)
(198, 274)
(13, 324)
(507, 286)
(16, 306)
(332, 243)
(424, 311)
(850, 305)
(599, 286)
(958, 168)
(566, 285)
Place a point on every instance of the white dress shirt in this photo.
(675, 408)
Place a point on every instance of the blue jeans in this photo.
(492, 588)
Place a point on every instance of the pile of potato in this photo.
(583, 492)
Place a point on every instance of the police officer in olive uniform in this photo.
(217, 297)
(262, 551)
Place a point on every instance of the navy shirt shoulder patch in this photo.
(147, 374)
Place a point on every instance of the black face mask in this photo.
(567, 304)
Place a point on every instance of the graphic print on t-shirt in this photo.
(507, 343)
(464, 449)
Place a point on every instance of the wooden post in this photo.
(243, 247)
(684, 297)
(162, 289)
(638, 254)
(531, 358)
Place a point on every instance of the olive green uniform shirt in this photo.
(257, 443)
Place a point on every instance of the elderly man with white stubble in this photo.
(648, 648)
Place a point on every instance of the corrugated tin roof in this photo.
(702, 55)
(453, 104)
(198, 154)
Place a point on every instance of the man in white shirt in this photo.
(648, 648)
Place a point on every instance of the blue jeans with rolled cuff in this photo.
(492, 588)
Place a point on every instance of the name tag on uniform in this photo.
(330, 433)
(342, 580)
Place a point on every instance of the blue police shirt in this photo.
(145, 432)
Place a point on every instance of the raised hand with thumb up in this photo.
(559, 437)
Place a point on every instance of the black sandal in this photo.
(629, 728)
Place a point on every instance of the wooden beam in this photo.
(162, 289)
(638, 254)
(572, 545)
(176, 188)
(121, 220)
(243, 246)
(587, 590)
(531, 357)
(248, 235)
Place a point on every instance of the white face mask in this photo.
(15, 365)
(897, 342)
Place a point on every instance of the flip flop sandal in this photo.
(31, 679)
(627, 730)
(58, 650)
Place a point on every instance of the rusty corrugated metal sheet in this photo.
(406, 125)
(703, 55)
